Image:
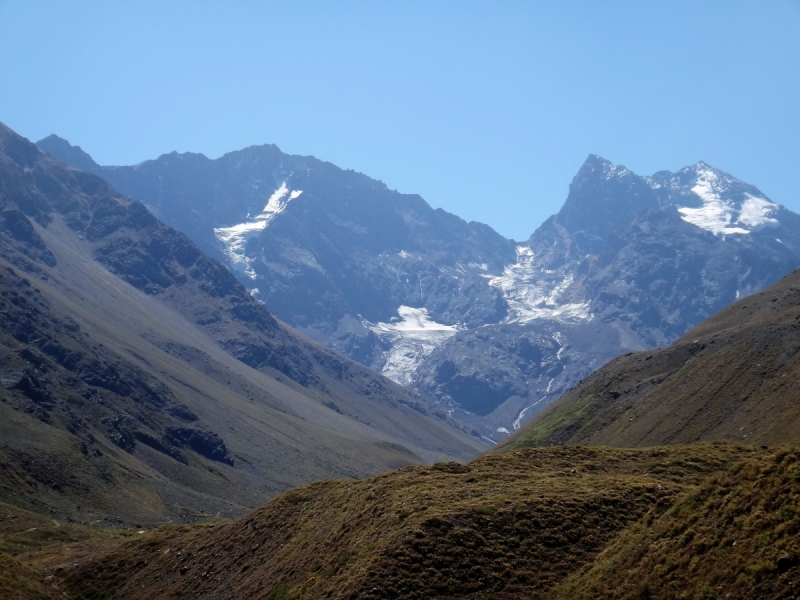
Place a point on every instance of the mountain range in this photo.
(736, 377)
(702, 503)
(141, 382)
(488, 329)
(150, 398)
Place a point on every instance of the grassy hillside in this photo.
(29, 541)
(510, 526)
(737, 536)
(734, 377)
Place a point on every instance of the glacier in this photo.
(532, 293)
(234, 238)
(717, 215)
(413, 337)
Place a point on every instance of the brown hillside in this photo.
(736, 376)
(737, 536)
(509, 526)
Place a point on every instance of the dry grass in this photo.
(723, 540)
(502, 527)
(18, 582)
(34, 547)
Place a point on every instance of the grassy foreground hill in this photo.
(700, 521)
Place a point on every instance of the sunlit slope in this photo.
(510, 526)
(734, 537)
(736, 376)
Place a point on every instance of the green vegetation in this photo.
(572, 417)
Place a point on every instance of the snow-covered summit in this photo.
(719, 203)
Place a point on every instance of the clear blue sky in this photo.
(486, 109)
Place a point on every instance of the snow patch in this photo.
(721, 217)
(235, 237)
(756, 212)
(413, 336)
(616, 171)
(532, 293)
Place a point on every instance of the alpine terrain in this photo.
(141, 383)
(490, 330)
(691, 512)
(736, 377)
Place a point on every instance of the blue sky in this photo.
(486, 109)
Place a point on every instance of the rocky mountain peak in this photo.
(489, 329)
(602, 197)
(74, 156)
(715, 201)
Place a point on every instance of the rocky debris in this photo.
(20, 235)
(161, 445)
(119, 432)
(34, 389)
(56, 365)
(205, 443)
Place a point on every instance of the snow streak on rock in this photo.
(413, 337)
(717, 215)
(532, 293)
(235, 237)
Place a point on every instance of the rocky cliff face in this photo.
(489, 329)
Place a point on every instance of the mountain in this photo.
(553, 511)
(708, 519)
(141, 382)
(736, 376)
(490, 330)
(586, 288)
